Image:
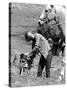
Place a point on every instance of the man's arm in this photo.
(37, 40)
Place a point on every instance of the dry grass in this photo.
(24, 18)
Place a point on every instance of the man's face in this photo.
(50, 41)
(31, 35)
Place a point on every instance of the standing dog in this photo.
(24, 63)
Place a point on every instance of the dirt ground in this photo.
(24, 17)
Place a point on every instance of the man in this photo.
(40, 45)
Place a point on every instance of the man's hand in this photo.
(37, 49)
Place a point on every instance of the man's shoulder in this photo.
(40, 36)
(37, 34)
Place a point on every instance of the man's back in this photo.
(43, 44)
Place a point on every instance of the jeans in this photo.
(45, 63)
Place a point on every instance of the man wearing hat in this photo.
(40, 45)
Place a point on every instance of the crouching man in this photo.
(40, 45)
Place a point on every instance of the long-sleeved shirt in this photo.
(42, 43)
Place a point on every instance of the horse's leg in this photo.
(63, 49)
(54, 49)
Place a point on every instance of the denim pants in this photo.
(45, 63)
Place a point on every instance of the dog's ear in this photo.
(21, 56)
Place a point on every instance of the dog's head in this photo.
(23, 60)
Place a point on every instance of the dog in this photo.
(24, 63)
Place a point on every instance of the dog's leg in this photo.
(27, 73)
(21, 70)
